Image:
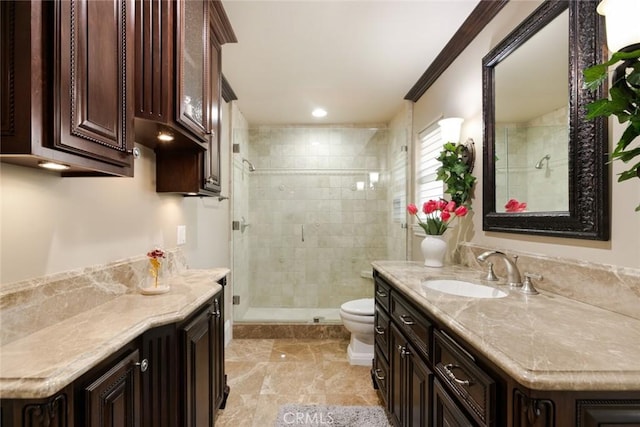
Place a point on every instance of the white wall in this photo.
(458, 92)
(50, 224)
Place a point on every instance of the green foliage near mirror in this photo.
(455, 173)
(623, 102)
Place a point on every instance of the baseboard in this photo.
(228, 332)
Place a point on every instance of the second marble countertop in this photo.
(545, 342)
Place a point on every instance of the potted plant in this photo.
(455, 172)
(623, 102)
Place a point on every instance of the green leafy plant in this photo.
(623, 102)
(455, 173)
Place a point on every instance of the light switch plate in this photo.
(182, 235)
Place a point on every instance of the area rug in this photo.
(331, 416)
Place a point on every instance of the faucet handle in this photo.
(515, 259)
(491, 276)
(527, 285)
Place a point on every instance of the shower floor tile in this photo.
(265, 374)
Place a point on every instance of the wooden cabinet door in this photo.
(197, 372)
(160, 391)
(113, 400)
(192, 66)
(396, 368)
(418, 400)
(211, 174)
(220, 389)
(93, 79)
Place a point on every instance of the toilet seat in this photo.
(359, 307)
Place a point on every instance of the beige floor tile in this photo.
(247, 350)
(265, 374)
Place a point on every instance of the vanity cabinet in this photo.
(178, 80)
(427, 375)
(170, 376)
(67, 85)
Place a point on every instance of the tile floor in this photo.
(266, 373)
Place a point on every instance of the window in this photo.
(429, 147)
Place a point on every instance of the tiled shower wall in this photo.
(316, 220)
(519, 147)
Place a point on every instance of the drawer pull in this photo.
(407, 320)
(379, 330)
(381, 294)
(448, 369)
(403, 351)
(377, 375)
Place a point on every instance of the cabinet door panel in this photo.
(197, 372)
(113, 400)
(445, 411)
(160, 382)
(418, 391)
(94, 78)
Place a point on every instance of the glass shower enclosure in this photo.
(312, 208)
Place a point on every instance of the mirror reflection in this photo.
(531, 123)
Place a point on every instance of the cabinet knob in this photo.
(216, 309)
(144, 365)
(403, 350)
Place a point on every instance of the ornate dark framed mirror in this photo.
(545, 169)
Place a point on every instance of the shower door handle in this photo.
(302, 232)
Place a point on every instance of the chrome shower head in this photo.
(541, 161)
(251, 167)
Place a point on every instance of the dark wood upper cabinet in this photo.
(174, 76)
(67, 94)
(178, 90)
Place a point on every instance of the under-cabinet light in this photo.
(165, 136)
(53, 166)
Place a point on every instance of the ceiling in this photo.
(356, 59)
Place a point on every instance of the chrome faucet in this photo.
(513, 274)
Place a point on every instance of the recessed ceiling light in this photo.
(319, 112)
(53, 166)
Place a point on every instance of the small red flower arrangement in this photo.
(439, 215)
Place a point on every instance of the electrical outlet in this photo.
(182, 235)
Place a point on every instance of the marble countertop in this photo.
(42, 363)
(545, 341)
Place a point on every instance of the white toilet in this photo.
(357, 317)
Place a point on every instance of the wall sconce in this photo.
(450, 129)
(623, 30)
(374, 177)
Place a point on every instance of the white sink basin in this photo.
(463, 289)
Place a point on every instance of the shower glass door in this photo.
(320, 206)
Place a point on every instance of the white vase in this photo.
(434, 249)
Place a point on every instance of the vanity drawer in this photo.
(383, 293)
(380, 375)
(382, 331)
(474, 388)
(414, 325)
